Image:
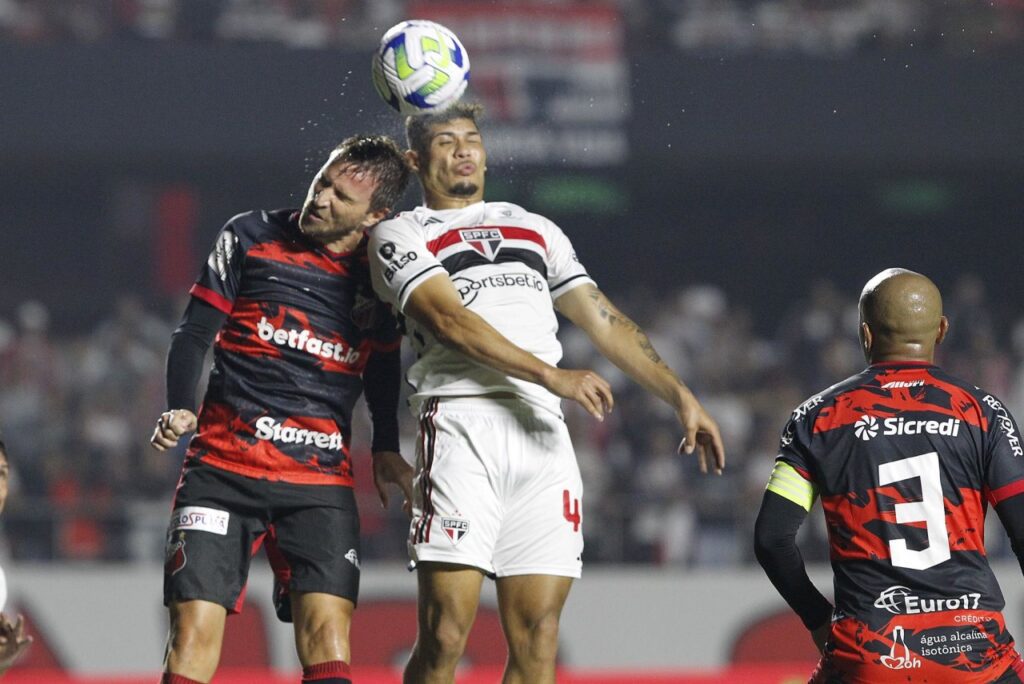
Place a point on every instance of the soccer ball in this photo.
(420, 67)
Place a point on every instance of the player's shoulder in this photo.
(402, 222)
(507, 211)
(802, 419)
(259, 224)
(814, 404)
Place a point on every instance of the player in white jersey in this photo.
(498, 490)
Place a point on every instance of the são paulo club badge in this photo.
(455, 528)
(486, 241)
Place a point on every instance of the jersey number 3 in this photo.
(930, 510)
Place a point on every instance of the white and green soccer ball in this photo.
(420, 67)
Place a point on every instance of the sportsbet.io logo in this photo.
(866, 427)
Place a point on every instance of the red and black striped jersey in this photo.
(302, 324)
(906, 459)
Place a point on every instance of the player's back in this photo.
(905, 458)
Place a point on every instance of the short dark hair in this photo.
(417, 126)
(379, 155)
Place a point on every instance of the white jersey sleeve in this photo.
(400, 260)
(565, 272)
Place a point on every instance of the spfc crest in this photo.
(487, 241)
(455, 528)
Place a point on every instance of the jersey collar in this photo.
(902, 364)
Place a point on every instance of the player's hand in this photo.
(820, 635)
(702, 434)
(13, 641)
(390, 468)
(585, 387)
(171, 426)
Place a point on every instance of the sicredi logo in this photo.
(304, 340)
(269, 429)
(200, 518)
(867, 427)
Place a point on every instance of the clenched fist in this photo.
(171, 426)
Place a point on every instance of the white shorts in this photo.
(497, 487)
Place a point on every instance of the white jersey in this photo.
(508, 266)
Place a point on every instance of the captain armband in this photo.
(789, 484)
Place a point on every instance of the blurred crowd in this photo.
(77, 413)
(823, 27)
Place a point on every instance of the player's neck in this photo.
(344, 244)
(440, 202)
(909, 355)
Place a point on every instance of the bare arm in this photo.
(436, 305)
(626, 345)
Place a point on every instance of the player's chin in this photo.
(322, 230)
(465, 189)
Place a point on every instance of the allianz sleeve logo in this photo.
(867, 427)
(270, 430)
(305, 341)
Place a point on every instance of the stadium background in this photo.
(731, 172)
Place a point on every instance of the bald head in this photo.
(901, 317)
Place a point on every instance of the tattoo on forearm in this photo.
(617, 318)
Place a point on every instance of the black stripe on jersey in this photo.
(412, 280)
(569, 280)
(470, 257)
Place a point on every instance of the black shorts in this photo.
(220, 520)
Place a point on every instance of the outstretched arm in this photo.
(626, 345)
(436, 305)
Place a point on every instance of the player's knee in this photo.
(535, 641)
(445, 640)
(323, 636)
(194, 639)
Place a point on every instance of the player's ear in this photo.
(866, 339)
(413, 159)
(943, 329)
(375, 217)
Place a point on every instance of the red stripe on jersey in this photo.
(253, 332)
(296, 254)
(454, 236)
(225, 440)
(1005, 492)
(850, 406)
(803, 473)
(854, 524)
(217, 301)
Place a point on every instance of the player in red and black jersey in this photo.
(905, 459)
(299, 335)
